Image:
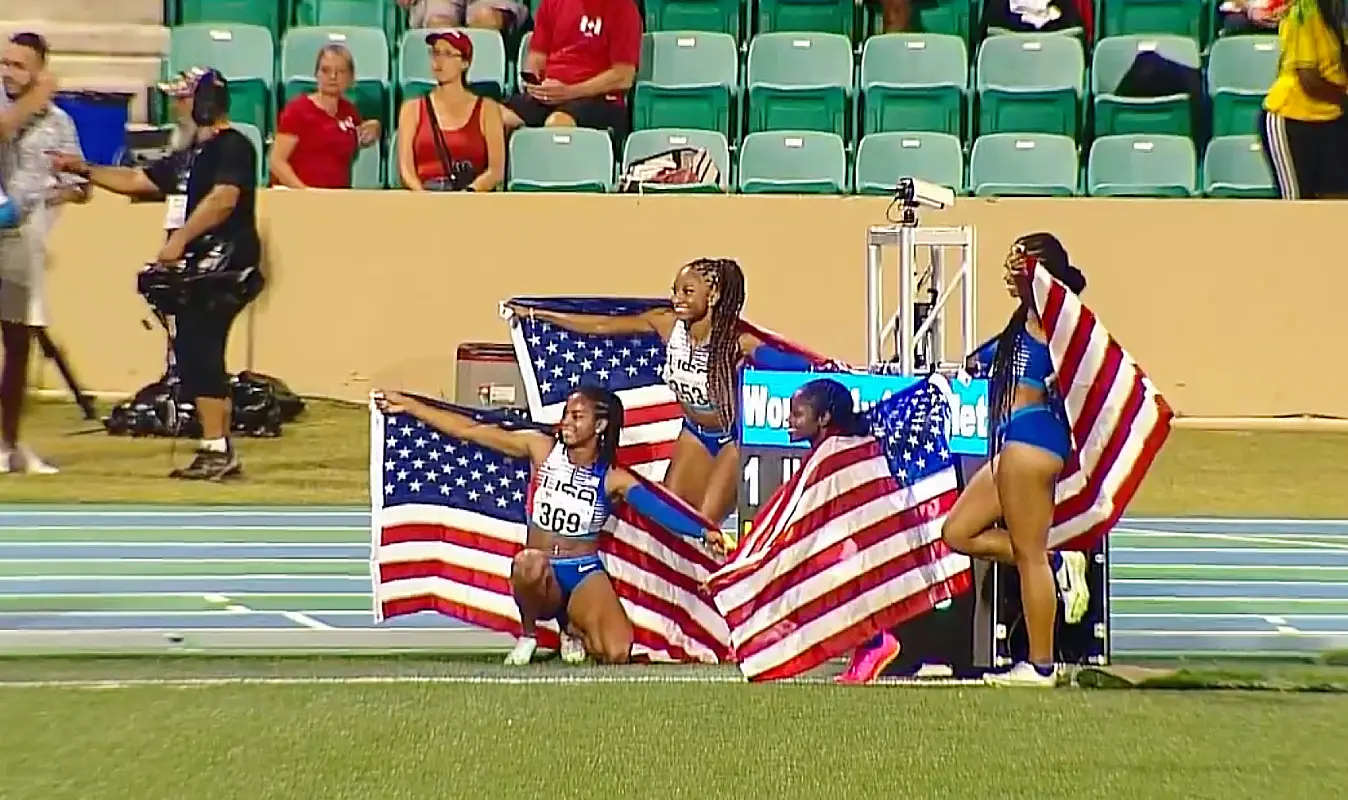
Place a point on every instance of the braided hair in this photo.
(608, 407)
(724, 277)
(828, 396)
(1050, 253)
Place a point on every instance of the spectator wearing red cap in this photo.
(582, 61)
(318, 134)
(450, 139)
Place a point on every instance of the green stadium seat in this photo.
(1240, 71)
(793, 162)
(1141, 165)
(1235, 166)
(1132, 17)
(519, 58)
(244, 54)
(708, 16)
(644, 144)
(299, 54)
(883, 158)
(263, 13)
(914, 82)
(1024, 165)
(367, 172)
(392, 179)
(254, 135)
(382, 14)
(1115, 114)
(560, 160)
(1030, 83)
(486, 75)
(686, 80)
(799, 82)
(819, 16)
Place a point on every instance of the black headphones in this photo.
(210, 98)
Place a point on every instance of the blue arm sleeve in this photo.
(661, 512)
(768, 357)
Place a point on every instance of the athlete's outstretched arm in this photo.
(622, 484)
(530, 444)
(655, 320)
(766, 356)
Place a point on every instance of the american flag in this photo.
(449, 515)
(850, 545)
(1119, 420)
(554, 361)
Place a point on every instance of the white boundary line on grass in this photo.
(395, 680)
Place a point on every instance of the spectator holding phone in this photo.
(450, 139)
(582, 60)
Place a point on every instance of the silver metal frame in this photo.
(908, 239)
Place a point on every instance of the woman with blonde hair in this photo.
(318, 134)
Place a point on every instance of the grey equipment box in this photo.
(486, 375)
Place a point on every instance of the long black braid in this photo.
(609, 407)
(828, 395)
(723, 275)
(1002, 380)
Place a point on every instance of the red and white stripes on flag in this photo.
(1119, 419)
(837, 553)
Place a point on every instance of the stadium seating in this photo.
(914, 82)
(793, 162)
(368, 171)
(1030, 84)
(560, 160)
(1024, 165)
(730, 68)
(686, 80)
(1235, 166)
(255, 136)
(1240, 69)
(883, 158)
(1140, 165)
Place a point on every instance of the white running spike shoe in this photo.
(523, 652)
(1073, 586)
(1022, 675)
(573, 649)
(23, 460)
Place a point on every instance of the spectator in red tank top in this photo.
(474, 138)
(318, 134)
(584, 55)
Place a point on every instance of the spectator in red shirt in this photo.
(450, 139)
(318, 134)
(582, 60)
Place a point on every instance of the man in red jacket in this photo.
(582, 61)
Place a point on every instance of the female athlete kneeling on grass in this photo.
(558, 574)
(820, 409)
(704, 350)
(1030, 445)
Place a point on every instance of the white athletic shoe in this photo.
(1073, 587)
(23, 460)
(573, 650)
(1022, 675)
(523, 652)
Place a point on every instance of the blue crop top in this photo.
(1034, 366)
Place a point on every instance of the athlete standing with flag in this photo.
(574, 484)
(705, 347)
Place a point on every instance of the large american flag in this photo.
(449, 515)
(850, 545)
(1119, 419)
(554, 361)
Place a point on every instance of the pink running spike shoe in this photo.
(868, 663)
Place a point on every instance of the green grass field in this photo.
(412, 726)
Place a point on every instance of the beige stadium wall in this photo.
(1234, 308)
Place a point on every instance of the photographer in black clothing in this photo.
(207, 270)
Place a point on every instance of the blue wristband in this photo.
(663, 513)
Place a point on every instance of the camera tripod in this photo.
(52, 351)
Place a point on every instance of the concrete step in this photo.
(95, 38)
(134, 12)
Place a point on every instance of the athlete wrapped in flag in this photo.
(574, 486)
(705, 343)
(1075, 426)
